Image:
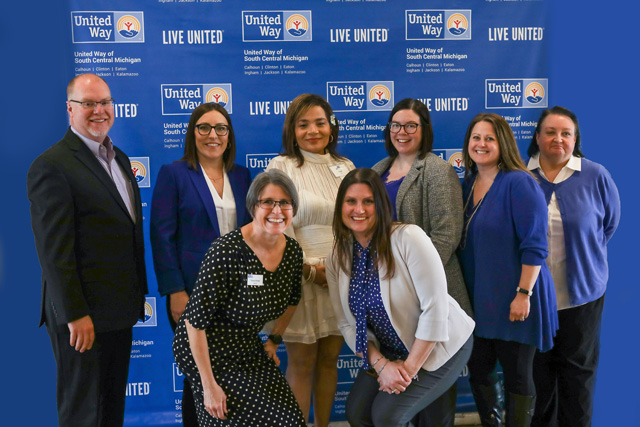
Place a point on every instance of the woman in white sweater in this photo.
(389, 293)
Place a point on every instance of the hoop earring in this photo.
(331, 139)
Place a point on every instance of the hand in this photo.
(178, 302)
(215, 402)
(394, 378)
(321, 276)
(271, 348)
(82, 334)
(520, 307)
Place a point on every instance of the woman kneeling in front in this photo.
(389, 292)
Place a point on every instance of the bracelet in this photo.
(312, 274)
(377, 360)
(524, 291)
(385, 364)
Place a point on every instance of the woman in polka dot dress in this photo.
(248, 277)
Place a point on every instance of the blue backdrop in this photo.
(159, 77)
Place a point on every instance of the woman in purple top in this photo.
(584, 210)
(503, 252)
(425, 190)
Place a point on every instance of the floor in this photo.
(462, 419)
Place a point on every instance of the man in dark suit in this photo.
(86, 216)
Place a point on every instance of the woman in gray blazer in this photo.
(388, 290)
(425, 190)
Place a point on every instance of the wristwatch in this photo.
(524, 291)
(276, 339)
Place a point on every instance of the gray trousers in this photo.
(367, 406)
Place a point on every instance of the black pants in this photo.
(91, 386)
(515, 358)
(189, 416)
(565, 376)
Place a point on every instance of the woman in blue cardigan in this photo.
(584, 210)
(195, 200)
(503, 252)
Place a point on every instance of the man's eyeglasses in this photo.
(90, 105)
(204, 129)
(285, 205)
(408, 127)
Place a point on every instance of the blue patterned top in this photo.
(365, 302)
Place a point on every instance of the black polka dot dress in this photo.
(232, 312)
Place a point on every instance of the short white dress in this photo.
(317, 182)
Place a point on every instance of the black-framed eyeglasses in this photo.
(408, 127)
(204, 129)
(285, 205)
(90, 105)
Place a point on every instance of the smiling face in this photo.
(483, 145)
(313, 130)
(405, 143)
(556, 139)
(93, 123)
(212, 146)
(359, 212)
(272, 221)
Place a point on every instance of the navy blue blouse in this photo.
(392, 190)
(365, 302)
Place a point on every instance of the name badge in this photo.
(339, 171)
(254, 280)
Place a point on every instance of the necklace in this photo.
(215, 179)
(468, 218)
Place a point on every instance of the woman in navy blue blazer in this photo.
(195, 200)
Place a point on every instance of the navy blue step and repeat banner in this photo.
(162, 58)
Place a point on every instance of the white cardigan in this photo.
(415, 299)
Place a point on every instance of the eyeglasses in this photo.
(204, 129)
(285, 205)
(408, 127)
(90, 105)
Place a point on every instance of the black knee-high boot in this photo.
(519, 410)
(489, 403)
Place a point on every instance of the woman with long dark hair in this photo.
(389, 291)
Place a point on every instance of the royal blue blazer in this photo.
(184, 222)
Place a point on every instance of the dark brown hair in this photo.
(558, 111)
(297, 108)
(190, 149)
(418, 107)
(383, 227)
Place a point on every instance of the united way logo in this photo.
(181, 99)
(534, 93)
(379, 95)
(128, 26)
(454, 158)
(257, 163)
(107, 27)
(140, 169)
(297, 25)
(457, 24)
(272, 25)
(217, 95)
(360, 96)
(150, 314)
(516, 93)
(438, 24)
